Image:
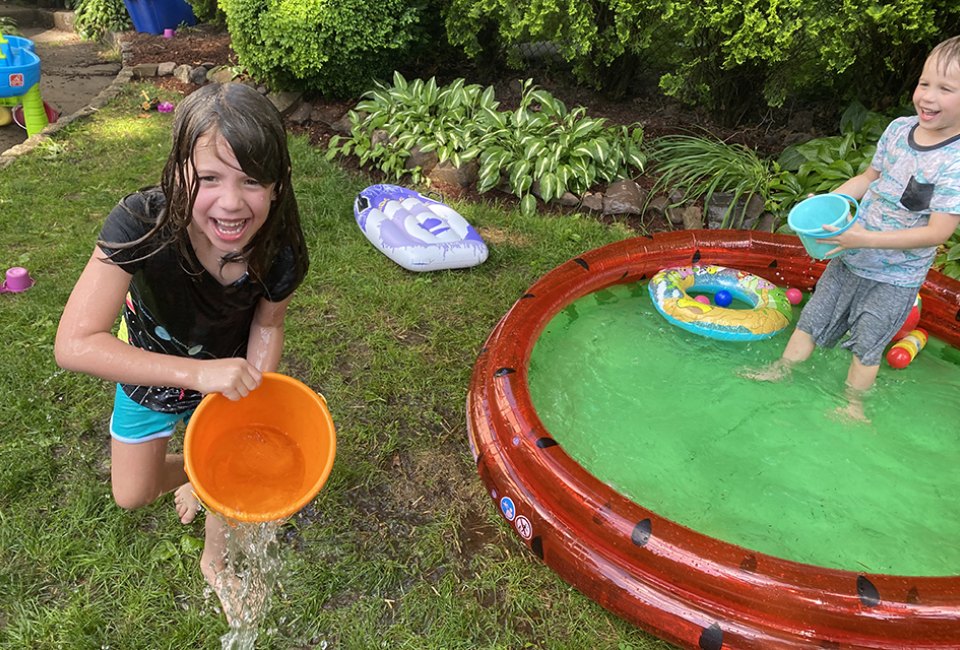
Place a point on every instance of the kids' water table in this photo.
(20, 80)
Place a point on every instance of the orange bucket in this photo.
(263, 457)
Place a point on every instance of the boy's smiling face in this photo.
(937, 100)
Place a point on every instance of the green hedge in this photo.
(725, 55)
(337, 48)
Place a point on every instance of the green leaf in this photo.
(549, 186)
(528, 205)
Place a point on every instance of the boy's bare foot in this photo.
(186, 503)
(772, 372)
(852, 412)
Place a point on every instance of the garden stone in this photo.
(166, 68)
(719, 204)
(220, 74)
(658, 204)
(145, 71)
(379, 136)
(426, 161)
(342, 125)
(767, 222)
(463, 176)
(182, 73)
(197, 76)
(302, 114)
(623, 197)
(593, 201)
(692, 217)
(65, 21)
(285, 101)
(569, 200)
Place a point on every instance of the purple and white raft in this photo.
(416, 232)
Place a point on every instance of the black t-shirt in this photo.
(175, 306)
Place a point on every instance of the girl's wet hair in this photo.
(946, 53)
(253, 127)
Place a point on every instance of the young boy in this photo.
(910, 204)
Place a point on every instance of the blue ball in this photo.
(723, 298)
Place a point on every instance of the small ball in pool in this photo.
(703, 299)
(794, 295)
(723, 298)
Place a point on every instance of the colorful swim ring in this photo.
(670, 290)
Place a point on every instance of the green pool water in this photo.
(661, 416)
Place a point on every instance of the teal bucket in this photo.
(808, 218)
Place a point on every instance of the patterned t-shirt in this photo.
(175, 306)
(914, 181)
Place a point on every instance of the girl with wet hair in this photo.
(201, 270)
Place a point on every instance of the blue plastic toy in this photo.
(20, 81)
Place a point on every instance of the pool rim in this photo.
(681, 585)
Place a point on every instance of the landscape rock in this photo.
(425, 161)
(182, 73)
(285, 101)
(220, 74)
(592, 201)
(197, 76)
(463, 176)
(623, 197)
(302, 114)
(145, 71)
(692, 217)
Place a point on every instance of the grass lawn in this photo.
(402, 548)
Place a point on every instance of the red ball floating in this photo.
(794, 295)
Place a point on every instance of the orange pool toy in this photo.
(264, 457)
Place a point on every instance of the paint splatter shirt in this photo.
(175, 306)
(914, 181)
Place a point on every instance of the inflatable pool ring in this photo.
(670, 290)
(416, 232)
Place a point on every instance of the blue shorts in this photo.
(133, 423)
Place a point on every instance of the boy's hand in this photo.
(852, 237)
(233, 378)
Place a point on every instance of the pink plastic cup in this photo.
(17, 280)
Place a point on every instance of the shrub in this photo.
(335, 48)
(208, 11)
(728, 56)
(94, 18)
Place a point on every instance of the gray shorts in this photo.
(872, 312)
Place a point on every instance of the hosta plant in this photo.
(539, 144)
(561, 150)
(390, 121)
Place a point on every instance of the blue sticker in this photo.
(506, 506)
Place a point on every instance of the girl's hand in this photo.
(233, 378)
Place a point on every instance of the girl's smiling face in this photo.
(937, 100)
(230, 206)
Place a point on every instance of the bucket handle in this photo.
(852, 201)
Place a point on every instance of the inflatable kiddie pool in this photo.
(681, 585)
